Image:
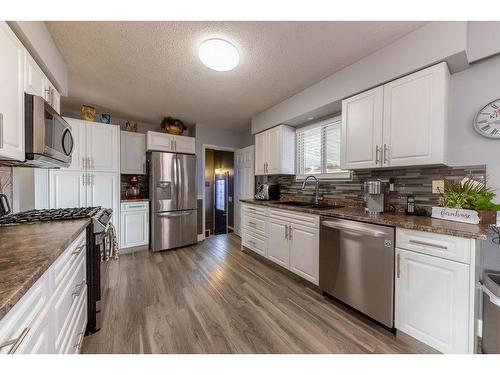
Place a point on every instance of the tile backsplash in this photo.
(6, 182)
(416, 181)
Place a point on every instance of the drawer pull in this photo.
(251, 223)
(78, 344)
(423, 243)
(15, 342)
(78, 289)
(252, 242)
(78, 250)
(137, 206)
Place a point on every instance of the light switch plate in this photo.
(437, 186)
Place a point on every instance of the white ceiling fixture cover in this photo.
(219, 55)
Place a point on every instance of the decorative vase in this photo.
(105, 118)
(172, 126)
(128, 126)
(88, 113)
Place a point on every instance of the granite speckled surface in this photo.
(399, 220)
(27, 251)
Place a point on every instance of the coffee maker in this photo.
(375, 195)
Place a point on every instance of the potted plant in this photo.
(467, 201)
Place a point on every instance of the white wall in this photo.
(483, 39)
(470, 91)
(36, 38)
(430, 44)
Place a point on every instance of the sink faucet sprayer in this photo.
(317, 198)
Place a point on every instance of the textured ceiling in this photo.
(146, 70)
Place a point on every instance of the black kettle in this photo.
(4, 205)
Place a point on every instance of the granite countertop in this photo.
(399, 220)
(141, 199)
(27, 251)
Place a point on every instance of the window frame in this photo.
(342, 174)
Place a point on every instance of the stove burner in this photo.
(35, 216)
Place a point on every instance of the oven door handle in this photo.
(67, 132)
(353, 229)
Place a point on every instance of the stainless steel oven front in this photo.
(49, 141)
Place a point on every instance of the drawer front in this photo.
(248, 209)
(71, 342)
(253, 242)
(18, 323)
(254, 225)
(135, 206)
(439, 245)
(68, 258)
(66, 298)
(292, 217)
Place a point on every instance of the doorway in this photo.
(219, 192)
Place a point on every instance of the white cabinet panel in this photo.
(304, 252)
(244, 181)
(11, 95)
(34, 77)
(103, 190)
(362, 130)
(275, 151)
(67, 189)
(432, 301)
(278, 248)
(261, 156)
(415, 116)
(132, 153)
(185, 145)
(134, 227)
(103, 147)
(159, 141)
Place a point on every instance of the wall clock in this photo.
(487, 121)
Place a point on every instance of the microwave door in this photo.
(164, 191)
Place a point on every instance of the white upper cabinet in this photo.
(11, 95)
(415, 117)
(52, 96)
(362, 130)
(401, 123)
(275, 151)
(34, 78)
(156, 141)
(79, 132)
(103, 145)
(132, 153)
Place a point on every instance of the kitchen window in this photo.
(318, 150)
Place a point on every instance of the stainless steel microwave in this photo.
(48, 139)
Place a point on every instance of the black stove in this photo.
(36, 216)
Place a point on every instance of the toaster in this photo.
(268, 192)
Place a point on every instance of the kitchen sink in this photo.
(309, 205)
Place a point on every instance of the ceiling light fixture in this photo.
(219, 55)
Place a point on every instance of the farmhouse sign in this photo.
(456, 214)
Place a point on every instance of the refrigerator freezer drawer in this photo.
(173, 229)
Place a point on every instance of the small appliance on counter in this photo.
(375, 191)
(4, 205)
(268, 191)
(133, 190)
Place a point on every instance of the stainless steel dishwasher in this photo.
(356, 266)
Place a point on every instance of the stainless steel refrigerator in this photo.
(172, 187)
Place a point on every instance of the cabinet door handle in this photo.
(377, 154)
(1, 130)
(423, 243)
(83, 179)
(15, 342)
(290, 232)
(78, 289)
(79, 341)
(386, 152)
(398, 265)
(78, 250)
(175, 144)
(286, 232)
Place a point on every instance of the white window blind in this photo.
(318, 150)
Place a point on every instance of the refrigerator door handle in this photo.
(174, 214)
(179, 182)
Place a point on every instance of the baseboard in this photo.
(133, 249)
(201, 237)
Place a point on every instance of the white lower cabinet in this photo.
(434, 295)
(134, 224)
(51, 317)
(287, 238)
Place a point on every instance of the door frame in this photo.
(203, 150)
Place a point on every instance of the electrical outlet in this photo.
(437, 186)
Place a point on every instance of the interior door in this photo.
(220, 203)
(163, 181)
(103, 147)
(278, 246)
(67, 189)
(362, 123)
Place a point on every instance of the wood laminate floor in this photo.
(214, 298)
